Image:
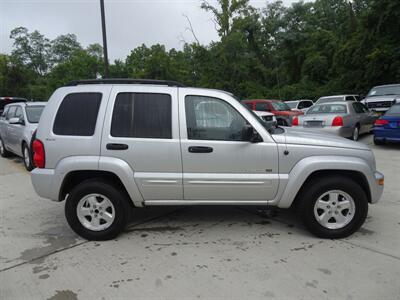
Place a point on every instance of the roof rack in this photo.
(125, 81)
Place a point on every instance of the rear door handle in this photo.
(200, 149)
(117, 146)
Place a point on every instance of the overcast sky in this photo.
(130, 23)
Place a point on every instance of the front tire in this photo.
(26, 155)
(97, 210)
(333, 207)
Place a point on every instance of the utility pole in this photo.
(105, 51)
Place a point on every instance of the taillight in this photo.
(337, 121)
(381, 122)
(295, 121)
(39, 157)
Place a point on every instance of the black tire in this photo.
(379, 142)
(27, 157)
(356, 133)
(317, 188)
(118, 198)
(3, 150)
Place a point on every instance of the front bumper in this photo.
(377, 187)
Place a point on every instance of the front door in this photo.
(217, 163)
(141, 128)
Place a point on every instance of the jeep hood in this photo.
(381, 98)
(316, 138)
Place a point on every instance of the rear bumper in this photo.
(387, 134)
(42, 181)
(377, 187)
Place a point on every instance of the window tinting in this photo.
(262, 106)
(11, 112)
(142, 115)
(212, 119)
(359, 109)
(77, 114)
(33, 113)
(18, 113)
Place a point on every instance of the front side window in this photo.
(77, 114)
(209, 118)
(142, 115)
(19, 114)
(305, 104)
(293, 105)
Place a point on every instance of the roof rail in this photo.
(125, 81)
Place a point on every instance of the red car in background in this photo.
(284, 115)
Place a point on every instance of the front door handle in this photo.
(117, 146)
(200, 149)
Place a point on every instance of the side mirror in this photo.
(249, 134)
(16, 121)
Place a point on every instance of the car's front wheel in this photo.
(333, 207)
(97, 210)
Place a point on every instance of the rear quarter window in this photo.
(77, 114)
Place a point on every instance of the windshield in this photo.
(291, 104)
(384, 90)
(327, 109)
(33, 113)
(280, 106)
(393, 111)
(329, 99)
(268, 126)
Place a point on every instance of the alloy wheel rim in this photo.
(27, 159)
(334, 209)
(95, 212)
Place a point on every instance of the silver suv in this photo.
(17, 124)
(109, 147)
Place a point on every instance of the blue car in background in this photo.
(387, 127)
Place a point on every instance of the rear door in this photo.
(362, 117)
(217, 163)
(141, 128)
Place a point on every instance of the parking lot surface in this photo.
(196, 252)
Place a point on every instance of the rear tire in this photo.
(3, 150)
(356, 133)
(27, 157)
(328, 216)
(378, 142)
(97, 210)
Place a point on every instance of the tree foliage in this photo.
(302, 51)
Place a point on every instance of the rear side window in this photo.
(142, 115)
(77, 114)
(262, 106)
(11, 112)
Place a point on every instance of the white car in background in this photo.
(336, 98)
(267, 117)
(300, 105)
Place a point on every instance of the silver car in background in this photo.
(348, 119)
(267, 117)
(300, 105)
(17, 125)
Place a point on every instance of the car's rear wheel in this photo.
(26, 155)
(3, 150)
(97, 210)
(356, 133)
(333, 207)
(379, 142)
